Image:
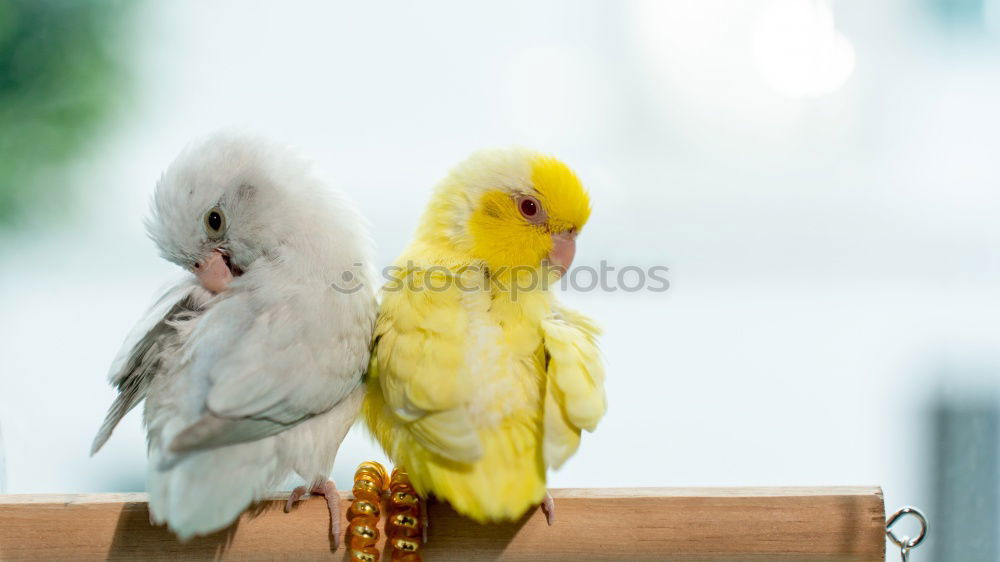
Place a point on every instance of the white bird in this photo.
(252, 365)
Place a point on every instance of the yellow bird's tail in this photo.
(507, 481)
(501, 485)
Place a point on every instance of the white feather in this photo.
(485, 171)
(266, 377)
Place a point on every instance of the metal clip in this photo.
(906, 544)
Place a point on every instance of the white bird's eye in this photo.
(215, 222)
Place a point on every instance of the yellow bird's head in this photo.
(509, 208)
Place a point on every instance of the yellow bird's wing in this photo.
(574, 396)
(420, 347)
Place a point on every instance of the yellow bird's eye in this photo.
(215, 222)
(530, 209)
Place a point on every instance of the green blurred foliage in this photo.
(60, 79)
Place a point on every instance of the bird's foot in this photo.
(425, 519)
(549, 509)
(329, 491)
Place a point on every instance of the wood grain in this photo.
(802, 524)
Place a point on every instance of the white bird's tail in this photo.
(207, 490)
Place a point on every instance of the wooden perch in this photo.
(799, 524)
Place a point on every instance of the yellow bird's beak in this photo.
(563, 251)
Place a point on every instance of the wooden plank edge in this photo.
(799, 523)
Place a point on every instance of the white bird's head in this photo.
(231, 200)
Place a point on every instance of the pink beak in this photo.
(563, 251)
(214, 272)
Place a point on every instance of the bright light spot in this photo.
(699, 57)
(798, 50)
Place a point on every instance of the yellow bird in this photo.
(479, 380)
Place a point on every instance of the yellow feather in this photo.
(474, 389)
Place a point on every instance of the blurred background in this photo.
(821, 178)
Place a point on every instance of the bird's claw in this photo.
(424, 519)
(294, 497)
(549, 509)
(329, 491)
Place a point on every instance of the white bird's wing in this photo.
(156, 336)
(271, 365)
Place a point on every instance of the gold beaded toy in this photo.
(403, 525)
(363, 515)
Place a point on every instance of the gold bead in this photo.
(364, 531)
(374, 471)
(406, 545)
(366, 486)
(405, 520)
(404, 499)
(362, 507)
(365, 555)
